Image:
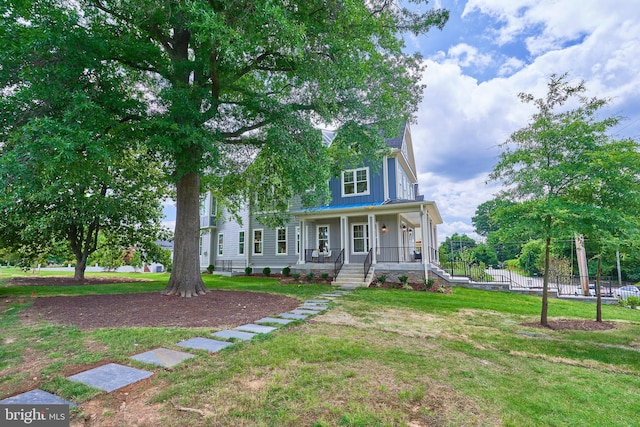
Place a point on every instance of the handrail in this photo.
(338, 264)
(367, 263)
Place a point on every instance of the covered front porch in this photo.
(371, 234)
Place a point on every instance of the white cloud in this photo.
(466, 55)
(461, 120)
(510, 66)
(457, 198)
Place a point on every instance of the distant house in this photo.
(376, 223)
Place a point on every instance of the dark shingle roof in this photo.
(396, 142)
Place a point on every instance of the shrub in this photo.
(407, 286)
(210, 268)
(429, 283)
(325, 276)
(266, 271)
(286, 271)
(248, 271)
(630, 301)
(296, 276)
(403, 279)
(381, 279)
(310, 276)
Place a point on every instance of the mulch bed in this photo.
(69, 281)
(216, 308)
(149, 309)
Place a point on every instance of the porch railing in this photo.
(398, 254)
(314, 255)
(367, 263)
(338, 264)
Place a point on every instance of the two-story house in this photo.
(376, 223)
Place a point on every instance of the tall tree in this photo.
(549, 165)
(609, 204)
(68, 167)
(452, 247)
(484, 220)
(235, 89)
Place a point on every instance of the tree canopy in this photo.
(69, 167)
(566, 174)
(235, 90)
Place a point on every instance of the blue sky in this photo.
(489, 51)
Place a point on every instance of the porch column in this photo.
(372, 237)
(344, 237)
(425, 237)
(303, 246)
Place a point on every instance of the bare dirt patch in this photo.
(575, 325)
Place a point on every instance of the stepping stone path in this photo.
(112, 376)
(204, 344)
(231, 334)
(162, 357)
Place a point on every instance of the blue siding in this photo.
(393, 181)
(376, 189)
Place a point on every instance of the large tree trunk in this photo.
(545, 284)
(186, 278)
(81, 266)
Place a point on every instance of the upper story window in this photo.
(355, 182)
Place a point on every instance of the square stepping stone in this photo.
(110, 377)
(275, 320)
(35, 397)
(293, 316)
(204, 344)
(305, 312)
(258, 329)
(313, 307)
(228, 334)
(334, 295)
(162, 357)
(317, 301)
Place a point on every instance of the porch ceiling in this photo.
(410, 210)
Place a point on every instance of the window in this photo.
(360, 234)
(323, 238)
(241, 242)
(355, 182)
(281, 241)
(220, 243)
(257, 242)
(200, 245)
(297, 240)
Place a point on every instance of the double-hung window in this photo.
(360, 235)
(241, 242)
(355, 182)
(257, 242)
(220, 244)
(281, 241)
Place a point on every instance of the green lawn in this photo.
(378, 358)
